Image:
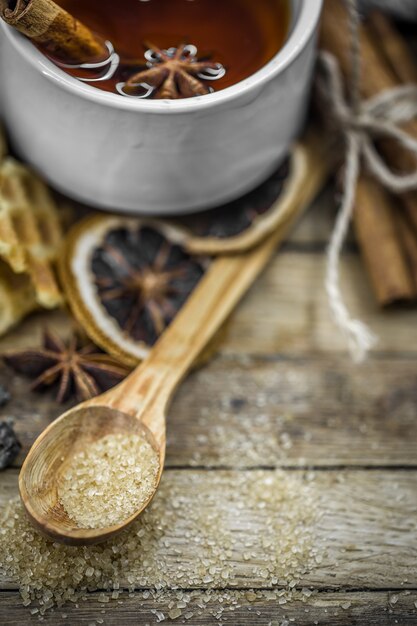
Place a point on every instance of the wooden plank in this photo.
(314, 229)
(326, 609)
(248, 412)
(351, 530)
(29, 332)
(287, 311)
(319, 412)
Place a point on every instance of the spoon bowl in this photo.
(40, 476)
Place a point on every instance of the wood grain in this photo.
(324, 608)
(248, 412)
(365, 534)
(287, 311)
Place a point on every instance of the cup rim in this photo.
(304, 28)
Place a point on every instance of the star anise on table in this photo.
(172, 74)
(77, 368)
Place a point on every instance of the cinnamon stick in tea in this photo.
(54, 30)
(335, 37)
(376, 230)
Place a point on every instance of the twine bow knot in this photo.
(362, 122)
(376, 118)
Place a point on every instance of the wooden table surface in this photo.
(282, 393)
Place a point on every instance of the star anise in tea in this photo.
(172, 74)
(76, 368)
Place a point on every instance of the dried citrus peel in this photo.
(88, 303)
(262, 224)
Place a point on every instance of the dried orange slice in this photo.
(125, 279)
(243, 223)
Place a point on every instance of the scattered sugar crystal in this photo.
(103, 598)
(250, 596)
(104, 484)
(136, 558)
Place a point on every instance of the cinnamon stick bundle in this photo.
(335, 37)
(54, 30)
(408, 239)
(399, 58)
(381, 236)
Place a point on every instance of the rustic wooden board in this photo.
(324, 609)
(363, 533)
(282, 394)
(287, 311)
(248, 412)
(313, 230)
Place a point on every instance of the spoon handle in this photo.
(149, 388)
(214, 298)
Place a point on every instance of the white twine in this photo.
(361, 123)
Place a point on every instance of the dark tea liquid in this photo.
(242, 35)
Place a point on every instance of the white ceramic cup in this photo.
(156, 156)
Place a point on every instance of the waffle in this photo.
(17, 297)
(30, 233)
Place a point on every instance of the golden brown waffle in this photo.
(30, 233)
(17, 297)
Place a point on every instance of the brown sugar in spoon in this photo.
(139, 404)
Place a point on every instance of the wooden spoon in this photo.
(139, 404)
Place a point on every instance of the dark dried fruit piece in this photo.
(229, 220)
(125, 281)
(243, 223)
(4, 396)
(75, 368)
(9, 445)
